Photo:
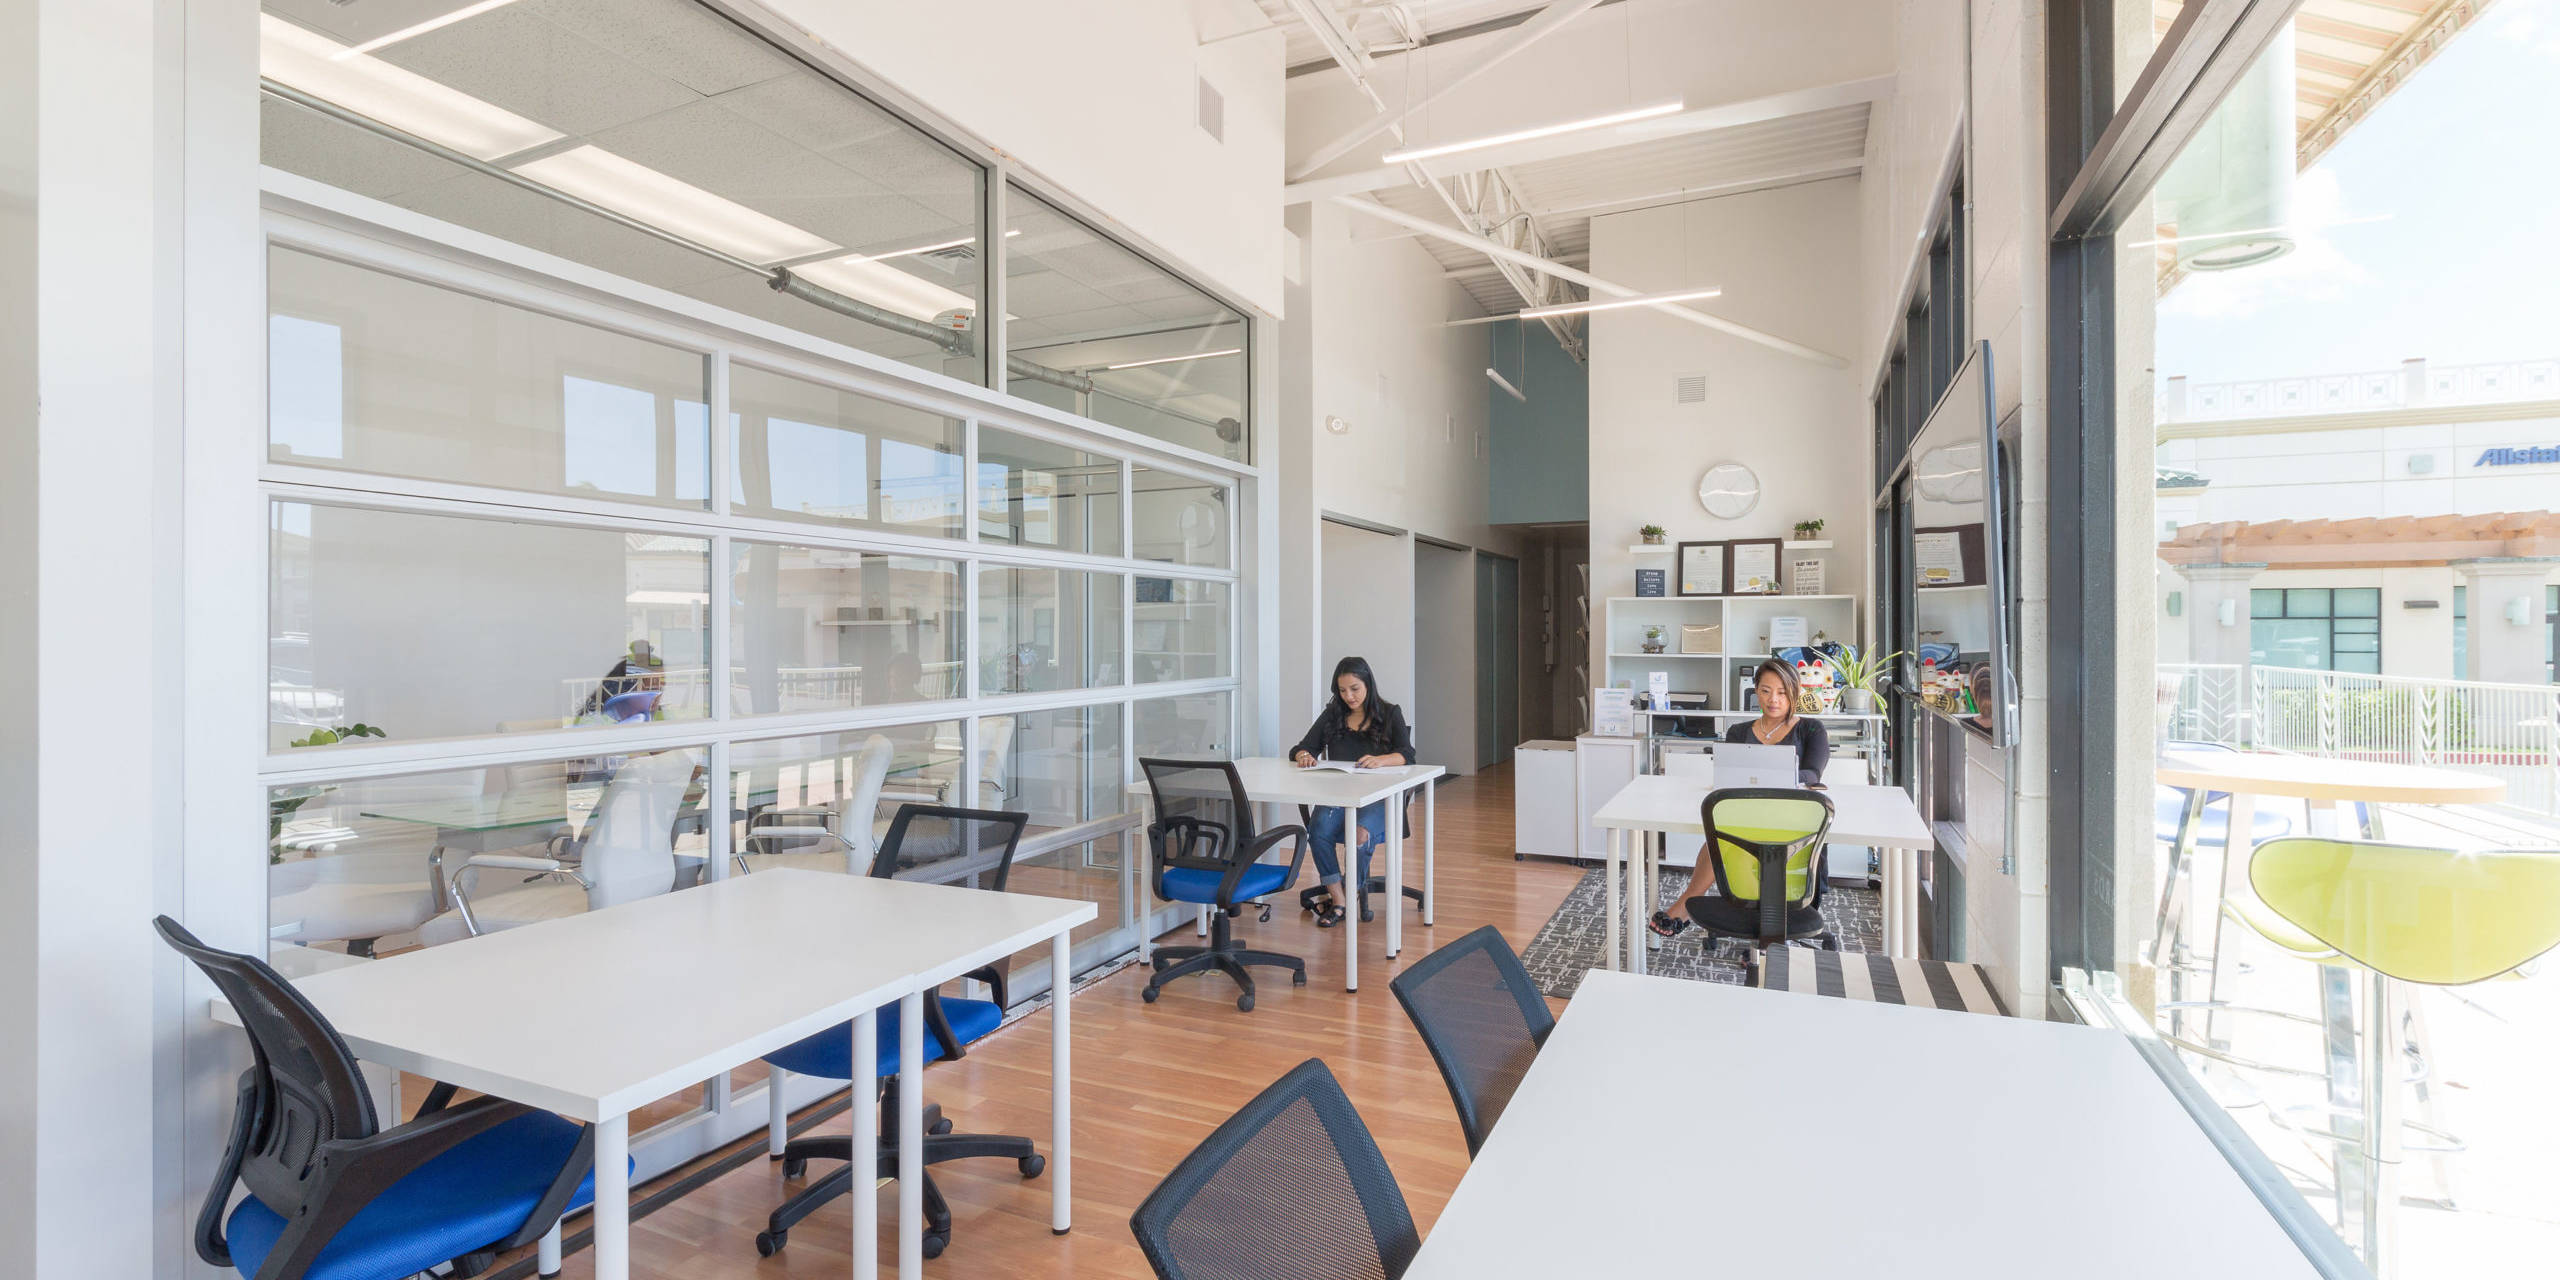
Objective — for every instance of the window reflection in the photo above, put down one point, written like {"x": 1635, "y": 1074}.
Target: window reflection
{"x": 1181, "y": 630}
{"x": 805, "y": 451}
{"x": 1046, "y": 629}
{"x": 431, "y": 626}
{"x": 824, "y": 801}
{"x": 824, "y": 629}
{"x": 1178, "y": 520}
{"x": 1036, "y": 494}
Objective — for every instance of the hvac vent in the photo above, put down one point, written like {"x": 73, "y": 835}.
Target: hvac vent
{"x": 1213, "y": 111}
{"x": 1692, "y": 389}
{"x": 953, "y": 256}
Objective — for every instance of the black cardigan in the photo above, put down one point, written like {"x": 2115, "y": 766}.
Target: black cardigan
{"x": 1811, "y": 741}
{"x": 1331, "y": 739}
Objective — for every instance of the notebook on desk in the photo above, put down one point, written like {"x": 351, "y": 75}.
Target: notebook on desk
{"x": 1750, "y": 764}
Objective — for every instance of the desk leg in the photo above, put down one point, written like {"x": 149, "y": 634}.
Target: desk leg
{"x": 613, "y": 1198}
{"x": 1348, "y": 894}
{"x": 1639, "y": 847}
{"x": 2232, "y": 870}
{"x": 1135, "y": 877}
{"x": 1061, "y": 1080}
{"x": 910, "y": 1137}
{"x": 865, "y": 1087}
{"x": 1393, "y": 898}
{"x": 1609, "y": 955}
{"x": 1897, "y": 881}
{"x": 1430, "y": 856}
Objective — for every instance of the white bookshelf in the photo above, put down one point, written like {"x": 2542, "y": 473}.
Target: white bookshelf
{"x": 1745, "y": 622}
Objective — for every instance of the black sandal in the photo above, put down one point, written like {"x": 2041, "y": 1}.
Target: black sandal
{"x": 1326, "y": 908}
{"x": 1667, "y": 925}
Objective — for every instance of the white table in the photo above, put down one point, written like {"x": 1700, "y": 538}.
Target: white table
{"x": 2011, "y": 1149}
{"x": 1270, "y": 780}
{"x": 672, "y": 990}
{"x": 1882, "y": 818}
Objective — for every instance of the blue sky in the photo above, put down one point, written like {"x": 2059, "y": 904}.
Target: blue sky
{"x": 2463, "y": 268}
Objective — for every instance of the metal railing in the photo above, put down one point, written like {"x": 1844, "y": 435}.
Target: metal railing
{"x": 2411, "y": 385}
{"x": 2507, "y": 731}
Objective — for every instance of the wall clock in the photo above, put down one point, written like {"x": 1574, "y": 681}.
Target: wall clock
{"x": 1728, "y": 491}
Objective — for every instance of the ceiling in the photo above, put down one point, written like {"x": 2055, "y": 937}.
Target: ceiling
{"x": 1387, "y": 27}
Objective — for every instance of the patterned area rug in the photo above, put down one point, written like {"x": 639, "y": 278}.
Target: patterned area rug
{"x": 1569, "y": 944}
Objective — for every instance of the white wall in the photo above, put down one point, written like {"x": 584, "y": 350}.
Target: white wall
{"x": 1098, "y": 97}
{"x": 1366, "y": 611}
{"x": 1445, "y": 657}
{"x": 1788, "y": 261}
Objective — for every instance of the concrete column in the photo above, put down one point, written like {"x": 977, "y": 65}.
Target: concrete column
{"x": 2218, "y": 612}
{"x": 2510, "y": 630}
{"x": 2413, "y": 382}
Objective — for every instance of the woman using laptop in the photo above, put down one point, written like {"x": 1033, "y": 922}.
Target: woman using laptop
{"x": 1775, "y": 686}
{"x": 1359, "y": 726}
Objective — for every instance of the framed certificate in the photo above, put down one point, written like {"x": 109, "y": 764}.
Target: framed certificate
{"x": 1754, "y": 568}
{"x": 1702, "y": 566}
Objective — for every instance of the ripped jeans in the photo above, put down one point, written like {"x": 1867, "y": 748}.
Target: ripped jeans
{"x": 1324, "y": 832}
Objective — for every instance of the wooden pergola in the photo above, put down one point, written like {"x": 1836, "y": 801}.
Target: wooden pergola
{"x": 2379, "y": 542}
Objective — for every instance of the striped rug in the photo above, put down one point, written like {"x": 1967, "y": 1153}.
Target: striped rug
{"x": 1884, "y": 979}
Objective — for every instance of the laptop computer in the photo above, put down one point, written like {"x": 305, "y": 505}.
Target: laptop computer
{"x": 1749, "y": 764}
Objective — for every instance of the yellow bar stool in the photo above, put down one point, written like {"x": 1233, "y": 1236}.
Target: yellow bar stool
{"x": 2407, "y": 914}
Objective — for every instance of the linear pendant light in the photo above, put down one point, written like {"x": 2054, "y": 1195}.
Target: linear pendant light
{"x": 1612, "y": 304}
{"x": 1188, "y": 355}
{"x": 1524, "y": 135}
{"x": 398, "y": 97}
{"x": 592, "y": 173}
{"x": 446, "y": 20}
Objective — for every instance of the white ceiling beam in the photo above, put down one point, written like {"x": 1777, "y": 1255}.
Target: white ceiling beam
{"x": 1494, "y": 249}
{"x": 1491, "y": 202}
{"x": 1777, "y": 106}
{"x": 1526, "y": 34}
{"x": 1335, "y": 35}
{"x": 1790, "y": 177}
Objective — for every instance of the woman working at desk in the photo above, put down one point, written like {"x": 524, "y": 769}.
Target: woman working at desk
{"x": 1359, "y": 726}
{"x": 1778, "y": 726}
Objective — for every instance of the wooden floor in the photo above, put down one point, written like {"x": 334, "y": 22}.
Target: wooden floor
{"x": 1151, "y": 1081}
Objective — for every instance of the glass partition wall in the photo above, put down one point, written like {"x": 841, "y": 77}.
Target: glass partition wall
{"x": 2324, "y": 378}
{"x": 623, "y": 520}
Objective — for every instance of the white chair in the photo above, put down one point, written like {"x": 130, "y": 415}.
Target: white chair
{"x": 627, "y": 852}
{"x": 349, "y": 897}
{"x": 995, "y": 751}
{"x": 843, "y": 836}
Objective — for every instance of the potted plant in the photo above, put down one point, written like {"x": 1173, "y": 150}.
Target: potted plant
{"x": 1808, "y": 530}
{"x": 1653, "y": 638}
{"x": 1652, "y": 535}
{"x": 1859, "y": 673}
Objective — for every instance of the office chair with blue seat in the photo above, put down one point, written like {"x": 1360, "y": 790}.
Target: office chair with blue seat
{"x": 1484, "y": 1020}
{"x": 934, "y": 844}
{"x": 1206, "y": 853}
{"x": 335, "y": 1196}
{"x": 1291, "y": 1187}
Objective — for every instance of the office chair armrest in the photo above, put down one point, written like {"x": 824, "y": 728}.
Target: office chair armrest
{"x": 1252, "y": 853}
{"x": 210, "y": 1245}
{"x": 910, "y": 797}
{"x": 994, "y": 976}
{"x": 513, "y": 862}
{"x": 354, "y": 1171}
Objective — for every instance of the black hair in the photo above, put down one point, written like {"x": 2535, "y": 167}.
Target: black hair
{"x": 1379, "y": 708}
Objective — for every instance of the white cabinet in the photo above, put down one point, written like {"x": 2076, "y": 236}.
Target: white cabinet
{"x": 1542, "y": 810}
{"x": 1602, "y": 767}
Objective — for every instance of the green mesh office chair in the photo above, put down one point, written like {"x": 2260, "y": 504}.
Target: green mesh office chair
{"x": 1765, "y": 846}
{"x": 2406, "y": 914}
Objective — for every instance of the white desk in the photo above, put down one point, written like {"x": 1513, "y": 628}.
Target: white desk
{"x": 2011, "y": 1149}
{"x": 1883, "y": 818}
{"x": 1270, "y": 780}
{"x": 669, "y": 991}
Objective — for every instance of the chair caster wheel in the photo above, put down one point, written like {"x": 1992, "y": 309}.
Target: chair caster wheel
{"x": 769, "y": 1243}
{"x": 1244, "y": 1004}
{"x": 1519, "y": 857}
{"x": 940, "y": 1127}
{"x": 1149, "y": 995}
{"x": 935, "y": 1243}
{"x": 1032, "y": 1165}
{"x": 794, "y": 1166}
{"x": 1366, "y": 915}
{"x": 1298, "y": 978}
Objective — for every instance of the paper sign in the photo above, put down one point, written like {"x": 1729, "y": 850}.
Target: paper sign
{"x": 1658, "y": 684}
{"x": 1613, "y": 713}
{"x": 1804, "y": 578}
{"x": 1939, "y": 558}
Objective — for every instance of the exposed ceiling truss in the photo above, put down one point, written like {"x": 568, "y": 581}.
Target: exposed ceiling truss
{"x": 1488, "y": 204}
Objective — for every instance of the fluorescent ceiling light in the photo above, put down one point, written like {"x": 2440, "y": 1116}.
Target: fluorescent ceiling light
{"x": 402, "y": 99}
{"x": 1612, "y": 304}
{"x": 594, "y": 174}
{"x": 936, "y": 247}
{"x": 1505, "y": 384}
{"x": 1544, "y": 131}
{"x": 1195, "y": 355}
{"x": 466, "y": 11}
{"x": 885, "y": 286}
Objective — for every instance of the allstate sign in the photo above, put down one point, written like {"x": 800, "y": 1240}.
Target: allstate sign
{"x": 2526, "y": 456}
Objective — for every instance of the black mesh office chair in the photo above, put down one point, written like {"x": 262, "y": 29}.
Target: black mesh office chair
{"x": 1205, "y": 852}
{"x": 331, "y": 1192}
{"x": 938, "y": 845}
{"x": 1292, "y": 1187}
{"x": 1757, "y": 838}
{"x": 1483, "y": 1020}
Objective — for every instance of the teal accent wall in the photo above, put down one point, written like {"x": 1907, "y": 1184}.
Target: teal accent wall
{"x": 1541, "y": 450}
